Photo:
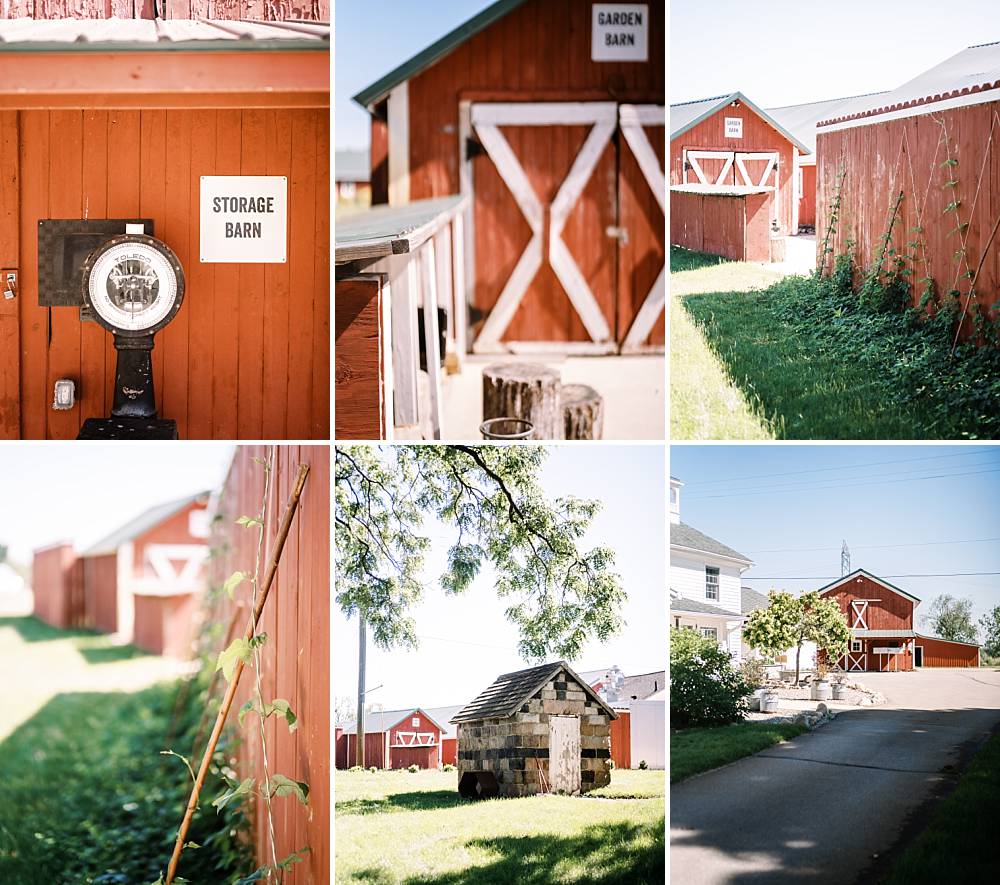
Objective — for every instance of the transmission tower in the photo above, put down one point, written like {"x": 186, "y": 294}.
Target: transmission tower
{"x": 845, "y": 560}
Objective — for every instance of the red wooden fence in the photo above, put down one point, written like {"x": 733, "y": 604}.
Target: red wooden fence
{"x": 296, "y": 657}
{"x": 57, "y": 585}
{"x": 621, "y": 740}
{"x": 732, "y": 225}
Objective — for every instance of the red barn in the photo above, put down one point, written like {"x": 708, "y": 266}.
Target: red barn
{"x": 558, "y": 144}
{"x": 393, "y": 739}
{"x": 925, "y": 156}
{"x": 880, "y": 616}
{"x": 728, "y": 143}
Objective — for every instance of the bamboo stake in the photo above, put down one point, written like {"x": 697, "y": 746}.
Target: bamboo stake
{"x": 227, "y": 700}
{"x": 972, "y": 286}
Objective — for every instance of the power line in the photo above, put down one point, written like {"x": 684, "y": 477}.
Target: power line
{"x": 833, "y": 578}
{"x": 876, "y": 546}
{"x": 982, "y": 451}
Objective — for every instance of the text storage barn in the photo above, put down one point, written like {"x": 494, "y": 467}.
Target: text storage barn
{"x": 137, "y": 123}
{"x": 549, "y": 117}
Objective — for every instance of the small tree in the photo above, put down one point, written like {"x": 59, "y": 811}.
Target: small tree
{"x": 705, "y": 688}
{"x": 990, "y": 622}
{"x": 951, "y": 618}
{"x": 789, "y": 621}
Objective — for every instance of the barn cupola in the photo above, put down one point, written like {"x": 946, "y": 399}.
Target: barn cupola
{"x": 675, "y": 499}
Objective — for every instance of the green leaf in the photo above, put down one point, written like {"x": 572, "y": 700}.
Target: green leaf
{"x": 258, "y": 640}
{"x": 248, "y": 707}
{"x": 255, "y": 876}
{"x": 248, "y": 522}
{"x": 242, "y": 789}
{"x": 193, "y": 845}
{"x": 951, "y": 161}
{"x": 234, "y": 581}
{"x": 293, "y": 858}
{"x": 283, "y": 708}
{"x": 183, "y": 759}
{"x": 239, "y": 650}
{"x": 285, "y": 786}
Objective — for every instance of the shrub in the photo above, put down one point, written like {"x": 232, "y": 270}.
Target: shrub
{"x": 357, "y": 768}
{"x": 448, "y": 767}
{"x": 413, "y": 769}
{"x": 705, "y": 688}
{"x": 373, "y": 769}
{"x": 753, "y": 671}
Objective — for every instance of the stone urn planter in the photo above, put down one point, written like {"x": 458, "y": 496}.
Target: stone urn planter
{"x": 821, "y": 690}
{"x": 754, "y": 699}
{"x": 768, "y": 701}
{"x": 839, "y": 691}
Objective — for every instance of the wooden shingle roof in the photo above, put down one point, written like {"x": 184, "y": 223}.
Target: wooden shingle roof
{"x": 506, "y": 695}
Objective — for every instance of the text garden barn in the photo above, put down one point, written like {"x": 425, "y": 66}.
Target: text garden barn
{"x": 559, "y": 153}
{"x": 142, "y": 582}
{"x": 123, "y": 123}
{"x": 917, "y": 170}
{"x": 881, "y": 619}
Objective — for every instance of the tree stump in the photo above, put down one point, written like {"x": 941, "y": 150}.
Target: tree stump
{"x": 583, "y": 412}
{"x": 524, "y": 390}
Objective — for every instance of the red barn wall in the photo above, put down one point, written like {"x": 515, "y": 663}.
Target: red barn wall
{"x": 941, "y": 653}
{"x": 100, "y": 582}
{"x": 248, "y": 355}
{"x": 174, "y": 529}
{"x": 736, "y": 227}
{"x": 876, "y": 168}
{"x": 54, "y": 587}
{"x": 374, "y": 750}
{"x": 402, "y": 756}
{"x": 296, "y": 657}
{"x": 892, "y": 612}
{"x": 807, "y": 201}
{"x": 268, "y": 10}
{"x": 163, "y": 624}
{"x": 621, "y": 739}
{"x": 758, "y": 135}
{"x": 449, "y": 751}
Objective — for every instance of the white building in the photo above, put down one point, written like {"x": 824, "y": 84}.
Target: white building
{"x": 705, "y": 581}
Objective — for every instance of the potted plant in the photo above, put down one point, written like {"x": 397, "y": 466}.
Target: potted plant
{"x": 840, "y": 689}
{"x": 821, "y": 685}
{"x": 753, "y": 672}
{"x": 769, "y": 701}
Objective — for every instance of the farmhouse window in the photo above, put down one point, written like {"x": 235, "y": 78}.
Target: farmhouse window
{"x": 711, "y": 582}
{"x": 855, "y": 645}
{"x": 710, "y": 633}
{"x": 415, "y": 721}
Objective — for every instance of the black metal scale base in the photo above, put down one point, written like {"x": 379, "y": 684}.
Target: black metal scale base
{"x": 128, "y": 428}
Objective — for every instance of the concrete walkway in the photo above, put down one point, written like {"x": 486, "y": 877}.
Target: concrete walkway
{"x": 821, "y": 807}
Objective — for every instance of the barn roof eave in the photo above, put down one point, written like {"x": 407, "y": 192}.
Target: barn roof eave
{"x": 760, "y": 112}
{"x": 378, "y": 90}
{"x": 956, "y": 641}
{"x": 876, "y": 578}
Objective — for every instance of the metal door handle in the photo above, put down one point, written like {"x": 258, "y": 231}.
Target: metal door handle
{"x": 10, "y": 286}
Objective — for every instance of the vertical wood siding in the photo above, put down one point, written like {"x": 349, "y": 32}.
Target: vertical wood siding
{"x": 296, "y": 657}
{"x": 10, "y": 353}
{"x": 941, "y": 653}
{"x": 907, "y": 155}
{"x": 709, "y": 135}
{"x": 100, "y": 589}
{"x": 248, "y": 354}
{"x": 163, "y": 624}
{"x": 892, "y": 612}
{"x": 54, "y": 586}
{"x": 267, "y": 10}
{"x": 358, "y": 359}
{"x": 807, "y": 205}
{"x": 732, "y": 226}
{"x": 621, "y": 740}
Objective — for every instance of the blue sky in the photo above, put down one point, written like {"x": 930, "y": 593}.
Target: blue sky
{"x": 373, "y": 37}
{"x": 82, "y": 492}
{"x": 899, "y": 507}
{"x": 783, "y": 52}
{"x": 466, "y": 641}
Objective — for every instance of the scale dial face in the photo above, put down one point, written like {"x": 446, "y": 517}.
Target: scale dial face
{"x": 134, "y": 284}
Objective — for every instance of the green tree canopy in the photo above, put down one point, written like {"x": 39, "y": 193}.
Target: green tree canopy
{"x": 990, "y": 622}
{"x": 559, "y": 595}
{"x": 951, "y": 618}
{"x": 788, "y": 621}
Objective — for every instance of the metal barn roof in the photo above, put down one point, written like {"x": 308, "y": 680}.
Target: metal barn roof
{"x": 940, "y": 639}
{"x": 378, "y": 90}
{"x": 860, "y": 571}
{"x": 505, "y": 696}
{"x": 353, "y": 166}
{"x": 683, "y": 535}
{"x": 970, "y": 76}
{"x": 378, "y": 720}
{"x": 141, "y": 524}
{"x": 688, "y": 114}
{"x": 801, "y": 119}
{"x": 156, "y": 35}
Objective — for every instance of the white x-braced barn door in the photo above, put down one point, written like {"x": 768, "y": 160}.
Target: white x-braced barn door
{"x": 742, "y": 168}
{"x": 557, "y": 289}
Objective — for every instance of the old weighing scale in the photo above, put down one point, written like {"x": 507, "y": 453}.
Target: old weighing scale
{"x": 119, "y": 275}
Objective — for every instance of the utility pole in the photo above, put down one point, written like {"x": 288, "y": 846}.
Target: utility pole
{"x": 360, "y": 747}
{"x": 845, "y": 560}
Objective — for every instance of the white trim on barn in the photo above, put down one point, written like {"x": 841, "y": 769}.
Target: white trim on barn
{"x": 947, "y": 104}
{"x": 486, "y": 120}
{"x": 399, "y": 145}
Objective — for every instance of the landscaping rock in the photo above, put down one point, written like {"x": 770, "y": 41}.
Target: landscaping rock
{"x": 822, "y": 709}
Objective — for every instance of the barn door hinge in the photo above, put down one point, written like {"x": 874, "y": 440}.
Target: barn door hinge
{"x": 9, "y": 282}
{"x": 617, "y": 233}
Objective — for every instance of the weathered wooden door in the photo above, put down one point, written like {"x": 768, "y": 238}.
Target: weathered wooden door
{"x": 545, "y": 219}
{"x": 564, "y": 754}
{"x": 10, "y": 294}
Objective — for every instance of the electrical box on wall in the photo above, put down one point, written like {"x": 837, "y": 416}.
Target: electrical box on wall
{"x": 63, "y": 246}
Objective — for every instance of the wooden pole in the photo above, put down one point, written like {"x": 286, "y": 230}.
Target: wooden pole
{"x": 227, "y": 700}
{"x": 359, "y": 730}
{"x": 214, "y": 682}
{"x": 972, "y": 286}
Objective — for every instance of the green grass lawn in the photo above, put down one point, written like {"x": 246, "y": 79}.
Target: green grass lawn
{"x": 705, "y": 403}
{"x": 959, "y": 844}
{"x": 693, "y": 750}
{"x": 398, "y": 827}
{"x": 85, "y": 796}
{"x": 797, "y": 359}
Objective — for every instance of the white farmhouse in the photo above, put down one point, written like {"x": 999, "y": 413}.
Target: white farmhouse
{"x": 705, "y": 581}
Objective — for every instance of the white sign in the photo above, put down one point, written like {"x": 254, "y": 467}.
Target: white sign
{"x": 888, "y": 651}
{"x": 244, "y": 219}
{"x": 620, "y": 32}
{"x": 734, "y": 127}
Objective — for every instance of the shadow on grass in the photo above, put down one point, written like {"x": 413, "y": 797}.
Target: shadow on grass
{"x": 682, "y": 259}
{"x": 110, "y": 654}
{"x": 607, "y": 853}
{"x": 94, "y": 648}
{"x": 30, "y": 629}
{"x": 422, "y": 800}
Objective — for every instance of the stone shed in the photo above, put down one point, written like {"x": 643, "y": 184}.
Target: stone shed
{"x": 540, "y": 730}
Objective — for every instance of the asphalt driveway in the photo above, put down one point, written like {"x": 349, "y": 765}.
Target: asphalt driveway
{"x": 819, "y": 808}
